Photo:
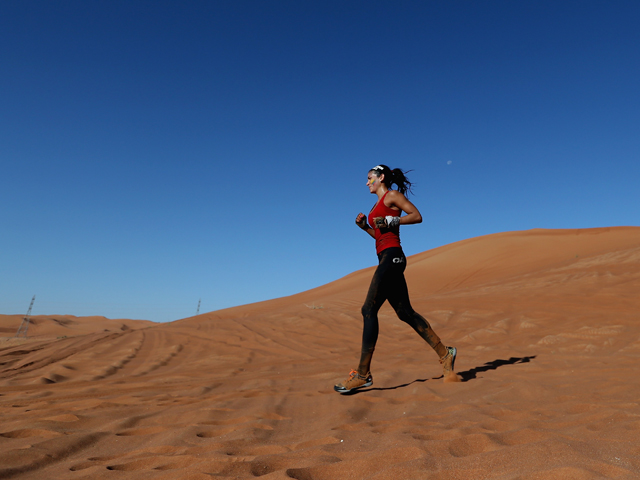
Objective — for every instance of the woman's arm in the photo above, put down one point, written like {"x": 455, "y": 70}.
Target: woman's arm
{"x": 398, "y": 200}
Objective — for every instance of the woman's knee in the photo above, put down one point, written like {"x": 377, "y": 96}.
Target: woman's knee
{"x": 408, "y": 315}
{"x": 368, "y": 310}
{"x": 404, "y": 311}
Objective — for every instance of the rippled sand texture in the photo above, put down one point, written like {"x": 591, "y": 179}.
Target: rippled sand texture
{"x": 547, "y": 324}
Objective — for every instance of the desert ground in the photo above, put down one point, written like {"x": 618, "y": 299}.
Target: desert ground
{"x": 547, "y": 326}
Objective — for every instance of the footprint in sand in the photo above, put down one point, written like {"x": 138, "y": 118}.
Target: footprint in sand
{"x": 471, "y": 445}
{"x": 153, "y": 451}
{"x": 52, "y": 377}
{"x": 215, "y": 433}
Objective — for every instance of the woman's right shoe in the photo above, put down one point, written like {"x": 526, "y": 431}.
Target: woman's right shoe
{"x": 354, "y": 382}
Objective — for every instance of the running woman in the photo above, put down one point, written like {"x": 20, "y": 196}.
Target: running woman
{"x": 388, "y": 281}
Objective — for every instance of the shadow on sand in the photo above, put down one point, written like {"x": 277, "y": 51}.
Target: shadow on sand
{"x": 494, "y": 365}
{"x": 464, "y": 376}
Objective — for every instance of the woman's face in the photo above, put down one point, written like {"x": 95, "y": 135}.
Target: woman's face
{"x": 373, "y": 182}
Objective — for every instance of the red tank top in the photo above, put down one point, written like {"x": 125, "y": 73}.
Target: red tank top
{"x": 387, "y": 237}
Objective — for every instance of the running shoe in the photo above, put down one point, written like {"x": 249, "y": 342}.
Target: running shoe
{"x": 354, "y": 382}
{"x": 448, "y": 360}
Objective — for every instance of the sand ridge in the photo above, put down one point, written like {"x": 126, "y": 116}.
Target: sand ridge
{"x": 547, "y": 330}
{"x": 53, "y": 326}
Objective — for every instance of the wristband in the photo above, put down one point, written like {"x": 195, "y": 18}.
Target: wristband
{"x": 392, "y": 221}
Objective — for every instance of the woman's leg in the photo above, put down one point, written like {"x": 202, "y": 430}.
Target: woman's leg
{"x": 398, "y": 296}
{"x": 375, "y": 298}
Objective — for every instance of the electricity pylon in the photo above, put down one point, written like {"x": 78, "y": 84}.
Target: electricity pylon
{"x": 24, "y": 326}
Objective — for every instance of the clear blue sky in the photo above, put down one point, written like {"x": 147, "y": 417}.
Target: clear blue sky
{"x": 156, "y": 153}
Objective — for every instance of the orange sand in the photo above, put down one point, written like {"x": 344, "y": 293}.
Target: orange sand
{"x": 548, "y": 332}
{"x": 43, "y": 327}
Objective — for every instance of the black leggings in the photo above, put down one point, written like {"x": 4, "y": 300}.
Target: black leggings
{"x": 388, "y": 283}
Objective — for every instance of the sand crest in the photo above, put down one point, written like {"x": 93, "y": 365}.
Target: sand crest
{"x": 546, "y": 326}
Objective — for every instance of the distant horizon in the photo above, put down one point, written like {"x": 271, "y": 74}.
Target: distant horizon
{"x": 301, "y": 292}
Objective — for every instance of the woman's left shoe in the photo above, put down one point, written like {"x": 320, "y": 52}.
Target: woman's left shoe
{"x": 354, "y": 382}
{"x": 449, "y": 360}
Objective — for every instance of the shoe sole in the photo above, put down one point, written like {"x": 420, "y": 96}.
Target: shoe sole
{"x": 344, "y": 390}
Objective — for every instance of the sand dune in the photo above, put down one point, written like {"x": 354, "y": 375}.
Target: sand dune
{"x": 548, "y": 332}
{"x": 53, "y": 326}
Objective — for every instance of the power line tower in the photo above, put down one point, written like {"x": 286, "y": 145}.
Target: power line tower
{"x": 24, "y": 326}
{"x": 198, "y": 310}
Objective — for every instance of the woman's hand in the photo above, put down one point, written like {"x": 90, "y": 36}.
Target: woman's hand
{"x": 380, "y": 222}
{"x": 361, "y": 221}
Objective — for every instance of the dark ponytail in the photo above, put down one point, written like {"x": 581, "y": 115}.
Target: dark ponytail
{"x": 395, "y": 176}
